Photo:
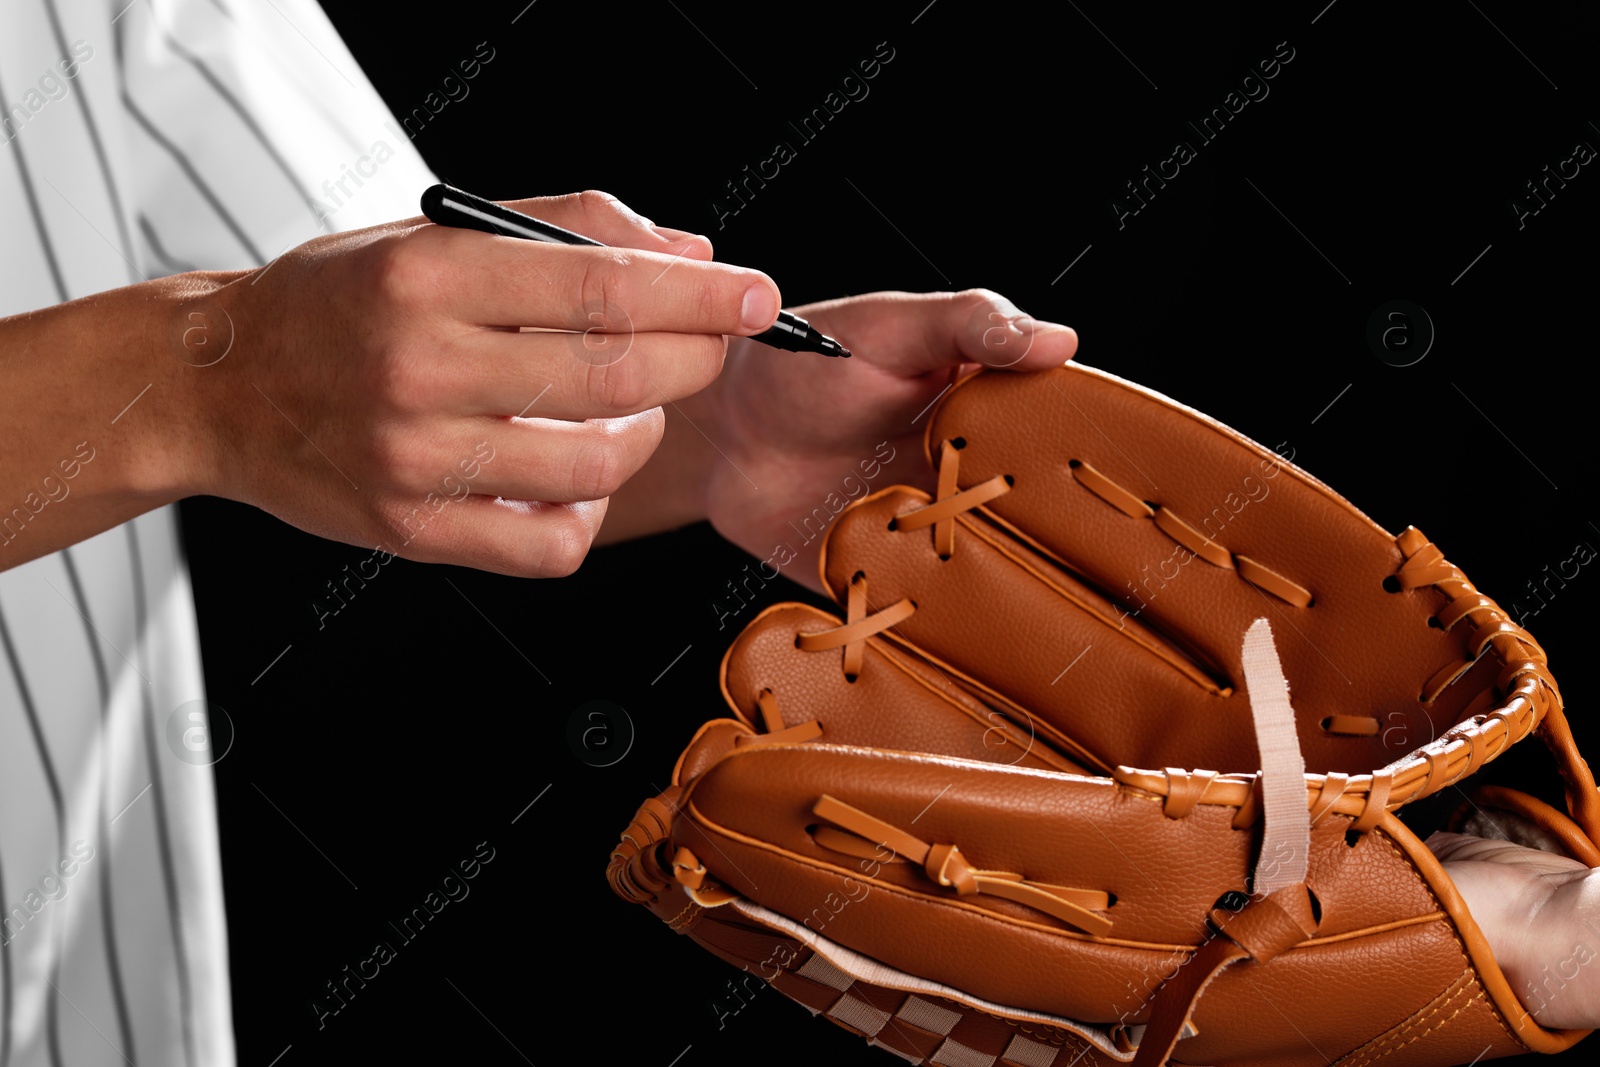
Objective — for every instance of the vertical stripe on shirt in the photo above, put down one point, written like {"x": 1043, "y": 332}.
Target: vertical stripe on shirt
{"x": 201, "y": 130}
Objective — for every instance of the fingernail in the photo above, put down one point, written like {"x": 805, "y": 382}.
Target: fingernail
{"x": 667, "y": 233}
{"x": 760, "y": 307}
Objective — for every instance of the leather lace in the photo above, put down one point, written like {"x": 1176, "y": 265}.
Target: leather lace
{"x": 1521, "y": 698}
{"x": 775, "y": 731}
{"x": 1490, "y": 626}
{"x": 949, "y": 501}
{"x": 859, "y": 626}
{"x": 1256, "y": 573}
{"x": 855, "y": 833}
{"x": 1525, "y": 679}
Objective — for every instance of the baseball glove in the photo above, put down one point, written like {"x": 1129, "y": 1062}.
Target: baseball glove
{"x": 967, "y": 820}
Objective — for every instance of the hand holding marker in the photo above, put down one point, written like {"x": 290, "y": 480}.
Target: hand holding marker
{"x": 448, "y": 206}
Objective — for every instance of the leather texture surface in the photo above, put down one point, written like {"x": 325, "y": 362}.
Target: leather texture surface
{"x": 1007, "y": 809}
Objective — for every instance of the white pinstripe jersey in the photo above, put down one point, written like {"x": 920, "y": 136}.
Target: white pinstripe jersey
{"x": 140, "y": 139}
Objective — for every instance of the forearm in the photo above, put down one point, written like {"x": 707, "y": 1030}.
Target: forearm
{"x": 98, "y": 421}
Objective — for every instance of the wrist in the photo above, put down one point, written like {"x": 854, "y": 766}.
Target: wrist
{"x": 194, "y": 359}
{"x": 166, "y": 349}
{"x": 102, "y": 423}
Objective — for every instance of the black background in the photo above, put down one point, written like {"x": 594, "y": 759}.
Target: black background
{"x": 427, "y": 715}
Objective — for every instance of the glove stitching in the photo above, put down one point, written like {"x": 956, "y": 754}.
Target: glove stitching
{"x": 678, "y": 921}
{"x": 1455, "y": 935}
{"x": 1456, "y": 990}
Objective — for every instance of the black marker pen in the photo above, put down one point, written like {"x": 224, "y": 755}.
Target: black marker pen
{"x": 448, "y": 206}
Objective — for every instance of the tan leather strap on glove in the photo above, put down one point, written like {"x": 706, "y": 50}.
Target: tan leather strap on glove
{"x": 1261, "y": 930}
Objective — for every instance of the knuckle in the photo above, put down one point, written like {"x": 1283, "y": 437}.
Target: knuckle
{"x": 618, "y": 388}
{"x": 407, "y": 459}
{"x": 404, "y": 522}
{"x": 978, "y": 297}
{"x": 595, "y": 202}
{"x": 562, "y": 548}
{"x": 601, "y": 465}
{"x": 601, "y": 286}
{"x": 400, "y": 461}
{"x": 398, "y": 380}
{"x": 388, "y": 451}
{"x": 705, "y": 356}
{"x": 712, "y": 305}
{"x": 595, "y": 285}
{"x": 401, "y": 273}
{"x": 648, "y": 428}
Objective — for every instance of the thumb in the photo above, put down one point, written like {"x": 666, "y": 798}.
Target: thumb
{"x": 999, "y": 335}
{"x": 912, "y": 334}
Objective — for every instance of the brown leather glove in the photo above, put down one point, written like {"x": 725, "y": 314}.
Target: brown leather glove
{"x": 962, "y": 820}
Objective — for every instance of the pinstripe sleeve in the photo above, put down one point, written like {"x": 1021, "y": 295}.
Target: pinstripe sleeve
{"x": 141, "y": 139}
